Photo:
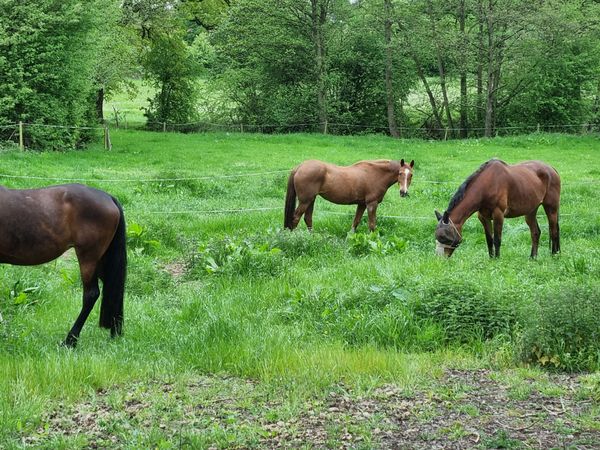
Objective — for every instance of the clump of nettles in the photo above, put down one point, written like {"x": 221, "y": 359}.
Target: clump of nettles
{"x": 561, "y": 329}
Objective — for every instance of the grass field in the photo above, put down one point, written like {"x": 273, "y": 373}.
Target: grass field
{"x": 239, "y": 334}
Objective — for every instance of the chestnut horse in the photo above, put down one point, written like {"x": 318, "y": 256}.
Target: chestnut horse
{"x": 39, "y": 225}
{"x": 363, "y": 183}
{"x": 498, "y": 190}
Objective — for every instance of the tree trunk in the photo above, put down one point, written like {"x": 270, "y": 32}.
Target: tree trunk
{"x": 434, "y": 107}
{"x": 480, "y": 56}
{"x": 389, "y": 90}
{"x": 491, "y": 74}
{"x": 318, "y": 18}
{"x": 100, "y": 105}
{"x": 463, "y": 73}
{"x": 441, "y": 68}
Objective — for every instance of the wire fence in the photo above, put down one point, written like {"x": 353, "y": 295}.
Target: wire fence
{"x": 242, "y": 128}
{"x": 18, "y": 132}
{"x": 336, "y": 128}
{"x": 416, "y": 181}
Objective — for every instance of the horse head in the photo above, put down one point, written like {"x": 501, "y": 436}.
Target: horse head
{"x": 405, "y": 176}
{"x": 447, "y": 235}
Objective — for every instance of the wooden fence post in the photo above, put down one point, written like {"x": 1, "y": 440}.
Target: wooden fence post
{"x": 164, "y": 126}
{"x": 107, "y": 143}
{"x": 21, "y": 145}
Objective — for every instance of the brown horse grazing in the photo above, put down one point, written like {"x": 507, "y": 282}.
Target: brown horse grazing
{"x": 364, "y": 184}
{"x": 497, "y": 190}
{"x": 39, "y": 225}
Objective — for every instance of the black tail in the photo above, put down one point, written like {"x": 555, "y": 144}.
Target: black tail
{"x": 114, "y": 274}
{"x": 290, "y": 202}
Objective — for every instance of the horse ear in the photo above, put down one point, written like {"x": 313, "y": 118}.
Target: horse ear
{"x": 438, "y": 215}
{"x": 445, "y": 217}
{"x": 412, "y": 164}
{"x": 401, "y": 162}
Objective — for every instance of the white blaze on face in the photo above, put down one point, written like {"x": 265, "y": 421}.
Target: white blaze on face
{"x": 404, "y": 187}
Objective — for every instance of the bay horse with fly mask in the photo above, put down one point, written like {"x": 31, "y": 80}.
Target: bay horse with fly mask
{"x": 497, "y": 191}
{"x": 39, "y": 225}
{"x": 363, "y": 183}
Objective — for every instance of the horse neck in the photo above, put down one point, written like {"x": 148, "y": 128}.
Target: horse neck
{"x": 466, "y": 207}
{"x": 392, "y": 170}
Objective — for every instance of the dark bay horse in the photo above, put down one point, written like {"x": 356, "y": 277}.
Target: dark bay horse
{"x": 498, "y": 190}
{"x": 39, "y": 225}
{"x": 364, "y": 184}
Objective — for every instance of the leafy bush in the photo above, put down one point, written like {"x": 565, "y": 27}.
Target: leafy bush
{"x": 561, "y": 329}
{"x": 137, "y": 239}
{"x": 371, "y": 243}
{"x": 380, "y": 315}
{"x": 233, "y": 257}
{"x": 303, "y": 243}
{"x": 466, "y": 312}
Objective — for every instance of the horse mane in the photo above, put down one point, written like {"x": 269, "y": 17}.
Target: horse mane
{"x": 460, "y": 193}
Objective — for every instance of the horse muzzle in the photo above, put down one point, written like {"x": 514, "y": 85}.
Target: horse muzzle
{"x": 443, "y": 249}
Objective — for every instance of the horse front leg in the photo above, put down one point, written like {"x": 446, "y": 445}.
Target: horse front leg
{"x": 498, "y": 218}
{"x": 372, "y": 213}
{"x": 91, "y": 292}
{"x": 487, "y": 229}
{"x": 360, "y": 210}
{"x": 534, "y": 228}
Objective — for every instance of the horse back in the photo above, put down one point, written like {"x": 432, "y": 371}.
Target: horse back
{"x": 530, "y": 184}
{"x": 342, "y": 184}
{"x": 41, "y": 224}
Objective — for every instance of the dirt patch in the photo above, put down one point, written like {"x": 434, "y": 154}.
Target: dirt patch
{"x": 176, "y": 269}
{"x": 465, "y": 409}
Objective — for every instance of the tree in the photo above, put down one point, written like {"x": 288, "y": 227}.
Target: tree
{"x": 116, "y": 61}
{"x": 46, "y": 68}
{"x": 169, "y": 65}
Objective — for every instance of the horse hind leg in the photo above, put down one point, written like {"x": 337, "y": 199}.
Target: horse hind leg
{"x": 552, "y": 214}
{"x": 372, "y": 213}
{"x": 91, "y": 292}
{"x": 300, "y": 210}
{"x": 308, "y": 215}
{"x": 534, "y": 227}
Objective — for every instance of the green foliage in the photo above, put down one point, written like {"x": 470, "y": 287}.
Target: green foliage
{"x": 361, "y": 244}
{"x": 171, "y": 68}
{"x": 378, "y": 314}
{"x": 466, "y": 311}
{"x": 137, "y": 239}
{"x": 46, "y": 69}
{"x": 237, "y": 258}
{"x": 561, "y": 329}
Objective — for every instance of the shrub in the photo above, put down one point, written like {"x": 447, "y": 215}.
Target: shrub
{"x": 361, "y": 244}
{"x": 466, "y": 312}
{"x": 561, "y": 329}
{"x": 234, "y": 257}
{"x": 380, "y": 315}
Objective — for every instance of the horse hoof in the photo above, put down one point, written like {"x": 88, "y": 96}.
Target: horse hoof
{"x": 69, "y": 342}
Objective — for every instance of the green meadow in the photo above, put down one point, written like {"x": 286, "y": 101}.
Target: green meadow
{"x": 218, "y": 293}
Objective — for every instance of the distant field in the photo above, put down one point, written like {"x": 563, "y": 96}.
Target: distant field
{"x": 236, "y": 331}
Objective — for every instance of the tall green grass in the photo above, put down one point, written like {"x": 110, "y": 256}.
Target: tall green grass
{"x": 231, "y": 293}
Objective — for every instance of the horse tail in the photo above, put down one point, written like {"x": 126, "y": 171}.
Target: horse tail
{"x": 114, "y": 274}
{"x": 290, "y": 202}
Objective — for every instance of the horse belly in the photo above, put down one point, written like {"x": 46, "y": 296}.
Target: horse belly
{"x": 29, "y": 251}
{"x": 340, "y": 189}
{"x": 523, "y": 204}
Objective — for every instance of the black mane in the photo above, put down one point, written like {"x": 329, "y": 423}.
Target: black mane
{"x": 460, "y": 193}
